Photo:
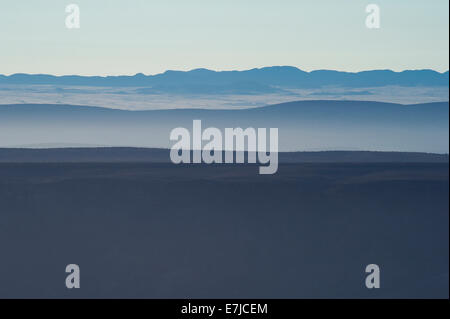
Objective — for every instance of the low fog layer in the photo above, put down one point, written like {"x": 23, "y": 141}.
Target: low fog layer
{"x": 303, "y": 126}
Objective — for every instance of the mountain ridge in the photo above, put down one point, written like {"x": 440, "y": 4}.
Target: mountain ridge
{"x": 257, "y": 80}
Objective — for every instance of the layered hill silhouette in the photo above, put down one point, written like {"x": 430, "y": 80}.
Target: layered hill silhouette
{"x": 304, "y": 125}
{"x": 263, "y": 80}
{"x": 155, "y": 155}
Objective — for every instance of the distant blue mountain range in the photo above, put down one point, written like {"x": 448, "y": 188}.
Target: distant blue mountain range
{"x": 263, "y": 80}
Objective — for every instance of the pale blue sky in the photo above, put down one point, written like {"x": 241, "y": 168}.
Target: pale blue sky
{"x": 151, "y": 36}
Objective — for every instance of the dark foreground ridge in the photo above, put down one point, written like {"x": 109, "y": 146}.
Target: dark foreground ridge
{"x": 158, "y": 155}
{"x": 149, "y": 230}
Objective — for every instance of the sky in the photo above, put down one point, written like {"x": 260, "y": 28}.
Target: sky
{"x": 151, "y": 36}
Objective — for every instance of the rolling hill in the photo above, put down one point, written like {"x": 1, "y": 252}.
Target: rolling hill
{"x": 303, "y": 126}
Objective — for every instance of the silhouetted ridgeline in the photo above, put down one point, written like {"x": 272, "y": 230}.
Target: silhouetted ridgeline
{"x": 268, "y": 80}
{"x": 154, "y": 155}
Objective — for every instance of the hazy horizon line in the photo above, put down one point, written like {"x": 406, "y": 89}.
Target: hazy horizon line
{"x": 84, "y": 146}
